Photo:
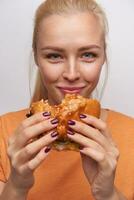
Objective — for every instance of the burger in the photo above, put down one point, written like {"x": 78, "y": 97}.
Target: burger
{"x": 70, "y": 108}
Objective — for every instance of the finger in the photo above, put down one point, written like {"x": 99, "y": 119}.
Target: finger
{"x": 35, "y": 162}
{"x": 93, "y": 153}
{"x": 98, "y": 124}
{"x": 33, "y": 148}
{"x": 90, "y": 132}
{"x": 95, "y": 123}
{"x": 84, "y": 141}
{"x": 36, "y": 118}
{"x": 34, "y": 131}
{"x": 105, "y": 162}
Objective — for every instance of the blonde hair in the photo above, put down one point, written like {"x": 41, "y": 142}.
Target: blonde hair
{"x": 50, "y": 7}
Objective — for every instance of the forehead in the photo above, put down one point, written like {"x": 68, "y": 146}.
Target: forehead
{"x": 76, "y": 28}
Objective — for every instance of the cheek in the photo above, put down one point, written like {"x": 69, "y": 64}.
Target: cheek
{"x": 50, "y": 73}
{"x": 91, "y": 72}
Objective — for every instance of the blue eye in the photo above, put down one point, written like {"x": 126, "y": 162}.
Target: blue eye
{"x": 89, "y": 55}
{"x": 53, "y": 56}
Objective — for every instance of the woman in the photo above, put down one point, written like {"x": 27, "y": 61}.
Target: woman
{"x": 69, "y": 45}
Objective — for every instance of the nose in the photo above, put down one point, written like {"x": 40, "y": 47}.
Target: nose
{"x": 71, "y": 71}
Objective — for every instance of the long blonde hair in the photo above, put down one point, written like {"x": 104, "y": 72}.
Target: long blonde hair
{"x": 50, "y": 7}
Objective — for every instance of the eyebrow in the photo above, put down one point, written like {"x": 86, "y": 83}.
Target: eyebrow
{"x": 62, "y": 50}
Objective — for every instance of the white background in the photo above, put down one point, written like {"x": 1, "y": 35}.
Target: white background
{"x": 16, "y": 23}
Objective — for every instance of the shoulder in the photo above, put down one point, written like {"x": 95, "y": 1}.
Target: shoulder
{"x": 119, "y": 119}
{"x": 16, "y": 114}
{"x": 10, "y": 121}
{"x": 8, "y": 124}
{"x": 122, "y": 128}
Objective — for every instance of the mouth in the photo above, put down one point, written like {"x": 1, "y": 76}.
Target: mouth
{"x": 70, "y": 90}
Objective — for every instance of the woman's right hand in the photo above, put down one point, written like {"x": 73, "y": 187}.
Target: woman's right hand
{"x": 26, "y": 156}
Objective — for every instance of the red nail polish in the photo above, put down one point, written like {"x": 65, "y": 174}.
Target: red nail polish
{"x": 47, "y": 149}
{"x": 81, "y": 147}
{"x": 70, "y": 132}
{"x": 46, "y": 114}
{"x": 71, "y": 122}
{"x": 54, "y": 121}
{"x": 54, "y": 134}
{"x": 82, "y": 116}
{"x": 28, "y": 115}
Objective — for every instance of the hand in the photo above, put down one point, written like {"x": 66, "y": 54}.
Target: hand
{"x": 99, "y": 154}
{"x": 26, "y": 153}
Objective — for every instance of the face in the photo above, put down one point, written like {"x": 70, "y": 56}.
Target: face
{"x": 70, "y": 54}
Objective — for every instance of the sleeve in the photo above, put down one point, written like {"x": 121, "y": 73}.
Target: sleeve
{"x": 3, "y": 155}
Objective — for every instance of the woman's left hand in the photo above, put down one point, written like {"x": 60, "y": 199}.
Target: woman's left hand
{"x": 99, "y": 154}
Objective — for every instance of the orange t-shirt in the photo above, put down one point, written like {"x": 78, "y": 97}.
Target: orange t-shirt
{"x": 60, "y": 176}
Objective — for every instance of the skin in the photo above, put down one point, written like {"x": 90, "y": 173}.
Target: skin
{"x": 73, "y": 67}
{"x": 69, "y": 67}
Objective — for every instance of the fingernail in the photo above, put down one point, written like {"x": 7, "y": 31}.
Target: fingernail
{"x": 28, "y": 115}
{"x": 54, "y": 134}
{"x": 47, "y": 149}
{"x": 70, "y": 129}
{"x": 54, "y": 121}
{"x": 45, "y": 114}
{"x": 70, "y": 132}
{"x": 81, "y": 148}
{"x": 71, "y": 122}
{"x": 82, "y": 116}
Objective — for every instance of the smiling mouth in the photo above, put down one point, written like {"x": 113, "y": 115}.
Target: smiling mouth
{"x": 70, "y": 90}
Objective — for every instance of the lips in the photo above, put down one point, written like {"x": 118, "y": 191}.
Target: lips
{"x": 70, "y": 90}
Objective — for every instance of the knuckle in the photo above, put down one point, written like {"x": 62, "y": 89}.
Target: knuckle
{"x": 37, "y": 117}
{"x": 14, "y": 162}
{"x": 10, "y": 141}
{"x": 19, "y": 170}
{"x": 103, "y": 126}
{"x": 30, "y": 166}
{"x": 23, "y": 124}
{"x": 102, "y": 158}
{"x": 112, "y": 167}
{"x": 117, "y": 153}
{"x": 114, "y": 164}
{"x": 9, "y": 152}
{"x": 28, "y": 151}
{"x": 25, "y": 134}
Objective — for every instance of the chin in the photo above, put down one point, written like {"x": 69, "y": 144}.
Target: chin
{"x": 55, "y": 98}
